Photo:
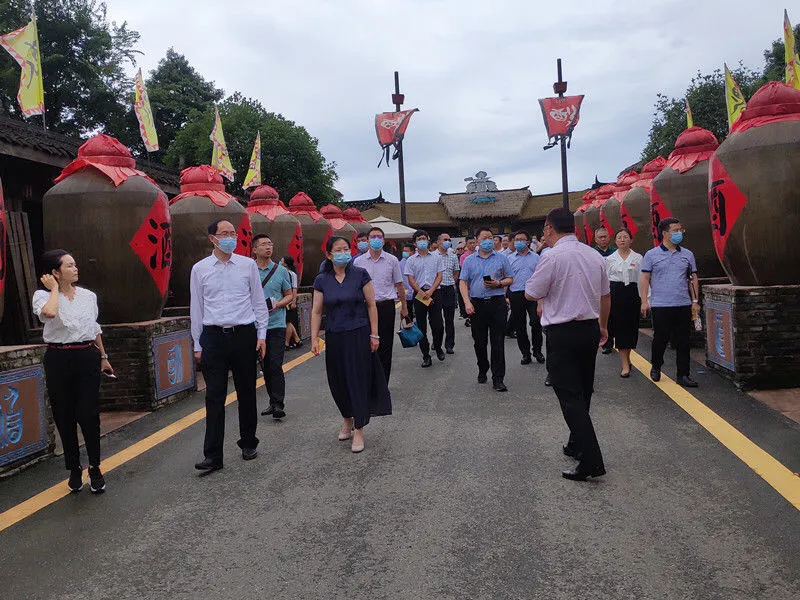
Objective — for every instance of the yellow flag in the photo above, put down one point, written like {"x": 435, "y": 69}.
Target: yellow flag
{"x": 689, "y": 119}
{"x": 141, "y": 106}
{"x": 734, "y": 99}
{"x": 253, "y": 177}
{"x": 220, "y": 159}
{"x": 23, "y": 45}
{"x": 790, "y": 54}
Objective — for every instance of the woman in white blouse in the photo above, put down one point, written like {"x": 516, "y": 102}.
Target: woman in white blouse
{"x": 72, "y": 363}
{"x": 623, "y": 323}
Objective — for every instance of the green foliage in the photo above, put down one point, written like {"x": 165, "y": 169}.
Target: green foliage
{"x": 84, "y": 60}
{"x": 775, "y": 59}
{"x": 290, "y": 157}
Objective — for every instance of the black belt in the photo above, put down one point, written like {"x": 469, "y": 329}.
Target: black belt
{"x": 573, "y": 323}
{"x": 379, "y": 302}
{"x": 71, "y": 345}
{"x": 229, "y": 329}
{"x": 489, "y": 299}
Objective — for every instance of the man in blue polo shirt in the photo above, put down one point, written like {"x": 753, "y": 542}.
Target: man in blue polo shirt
{"x": 670, "y": 272}
{"x": 523, "y": 263}
{"x": 483, "y": 279}
{"x": 277, "y": 284}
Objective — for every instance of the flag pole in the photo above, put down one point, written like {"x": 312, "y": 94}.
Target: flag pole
{"x": 559, "y": 87}
{"x": 398, "y": 98}
{"x": 36, "y": 25}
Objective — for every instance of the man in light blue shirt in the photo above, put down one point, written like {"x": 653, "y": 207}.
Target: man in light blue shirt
{"x": 523, "y": 263}
{"x": 484, "y": 277}
{"x": 451, "y": 267}
{"x": 277, "y": 285}
{"x": 424, "y": 272}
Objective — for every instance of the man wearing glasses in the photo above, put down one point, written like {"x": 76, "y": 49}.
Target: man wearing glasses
{"x": 229, "y": 323}
{"x": 450, "y": 268}
{"x": 387, "y": 279}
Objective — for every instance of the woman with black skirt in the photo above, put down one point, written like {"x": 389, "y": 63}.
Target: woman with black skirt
{"x": 623, "y": 323}
{"x": 355, "y": 375}
{"x": 72, "y": 363}
{"x": 292, "y": 319}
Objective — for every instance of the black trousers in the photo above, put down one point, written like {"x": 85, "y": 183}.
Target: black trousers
{"x": 449, "y": 304}
{"x": 462, "y": 309}
{"x": 489, "y": 326}
{"x": 225, "y": 351}
{"x": 523, "y": 310}
{"x": 410, "y": 307}
{"x": 73, "y": 385}
{"x": 571, "y": 355}
{"x": 671, "y": 322}
{"x": 386, "y": 317}
{"x": 272, "y": 366}
{"x": 433, "y": 314}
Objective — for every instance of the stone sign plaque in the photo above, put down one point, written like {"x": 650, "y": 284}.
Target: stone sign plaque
{"x": 719, "y": 338}
{"x": 173, "y": 359}
{"x": 23, "y": 420}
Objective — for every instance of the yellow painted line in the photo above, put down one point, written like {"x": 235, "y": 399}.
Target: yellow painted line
{"x": 43, "y": 499}
{"x": 785, "y": 482}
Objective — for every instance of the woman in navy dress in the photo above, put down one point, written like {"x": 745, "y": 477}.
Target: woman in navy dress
{"x": 355, "y": 375}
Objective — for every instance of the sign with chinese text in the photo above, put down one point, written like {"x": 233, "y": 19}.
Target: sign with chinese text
{"x": 23, "y": 419}
{"x": 719, "y": 335}
{"x": 173, "y": 360}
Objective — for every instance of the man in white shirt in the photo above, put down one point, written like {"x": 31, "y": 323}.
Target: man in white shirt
{"x": 229, "y": 322}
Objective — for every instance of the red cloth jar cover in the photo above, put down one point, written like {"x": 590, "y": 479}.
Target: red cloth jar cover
{"x": 204, "y": 181}
{"x": 107, "y": 155}
{"x": 693, "y": 146}
{"x": 302, "y": 204}
{"x": 265, "y": 201}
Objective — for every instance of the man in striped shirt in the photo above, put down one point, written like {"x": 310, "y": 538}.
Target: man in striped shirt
{"x": 448, "y": 261}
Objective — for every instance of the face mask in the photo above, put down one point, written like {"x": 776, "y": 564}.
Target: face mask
{"x": 447, "y": 245}
{"x": 422, "y": 244}
{"x": 406, "y": 254}
{"x": 519, "y": 245}
{"x": 376, "y": 244}
{"x": 676, "y": 238}
{"x": 340, "y": 259}
{"x": 362, "y": 246}
{"x": 227, "y": 245}
{"x": 487, "y": 245}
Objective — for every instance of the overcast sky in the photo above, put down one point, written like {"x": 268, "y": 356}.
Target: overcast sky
{"x": 474, "y": 69}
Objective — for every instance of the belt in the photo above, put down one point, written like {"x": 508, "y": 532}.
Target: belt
{"x": 489, "y": 299}
{"x": 71, "y": 345}
{"x": 230, "y": 328}
{"x": 385, "y": 302}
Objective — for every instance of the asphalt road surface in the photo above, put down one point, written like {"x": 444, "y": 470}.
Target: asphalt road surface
{"x": 457, "y": 495}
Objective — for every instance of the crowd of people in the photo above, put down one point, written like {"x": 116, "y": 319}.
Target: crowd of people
{"x": 572, "y": 297}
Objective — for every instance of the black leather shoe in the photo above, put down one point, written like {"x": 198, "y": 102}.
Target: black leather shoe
{"x": 655, "y": 374}
{"x": 539, "y": 357}
{"x": 449, "y": 351}
{"x": 482, "y": 378}
{"x": 208, "y": 465}
{"x": 426, "y": 361}
{"x": 249, "y": 453}
{"x": 440, "y": 354}
{"x": 582, "y": 473}
{"x": 499, "y": 386}
{"x": 269, "y": 411}
{"x": 278, "y": 413}
{"x": 547, "y": 381}
{"x": 466, "y": 322}
{"x": 571, "y": 452}
{"x": 686, "y": 381}
{"x": 526, "y": 360}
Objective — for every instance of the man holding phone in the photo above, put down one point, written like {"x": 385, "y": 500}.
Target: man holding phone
{"x": 277, "y": 285}
{"x": 484, "y": 277}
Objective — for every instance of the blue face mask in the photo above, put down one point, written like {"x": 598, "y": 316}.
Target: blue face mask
{"x": 422, "y": 244}
{"x": 362, "y": 246}
{"x": 676, "y": 238}
{"x": 519, "y": 245}
{"x": 227, "y": 245}
{"x": 376, "y": 244}
{"x": 406, "y": 254}
{"x": 340, "y": 259}
{"x": 487, "y": 245}
{"x": 447, "y": 244}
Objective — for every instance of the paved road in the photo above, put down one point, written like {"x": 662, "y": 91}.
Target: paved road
{"x": 458, "y": 495}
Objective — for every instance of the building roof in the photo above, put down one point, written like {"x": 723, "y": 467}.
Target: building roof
{"x": 537, "y": 207}
{"x": 363, "y": 205}
{"x": 485, "y": 205}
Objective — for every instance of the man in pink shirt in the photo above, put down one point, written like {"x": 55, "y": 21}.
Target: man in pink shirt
{"x": 572, "y": 284}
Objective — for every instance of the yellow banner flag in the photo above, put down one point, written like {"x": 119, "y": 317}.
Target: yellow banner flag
{"x": 220, "y": 159}
{"x": 253, "y": 177}
{"x": 790, "y": 54}
{"x": 23, "y": 45}
{"x": 689, "y": 118}
{"x": 144, "y": 114}
{"x": 734, "y": 99}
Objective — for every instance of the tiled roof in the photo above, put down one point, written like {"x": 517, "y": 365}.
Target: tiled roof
{"x": 495, "y": 204}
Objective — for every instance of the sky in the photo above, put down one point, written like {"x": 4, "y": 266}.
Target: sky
{"x": 474, "y": 69}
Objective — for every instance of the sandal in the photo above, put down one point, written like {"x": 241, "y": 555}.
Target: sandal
{"x": 344, "y": 436}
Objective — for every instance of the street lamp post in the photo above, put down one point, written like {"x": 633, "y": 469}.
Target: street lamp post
{"x": 398, "y": 98}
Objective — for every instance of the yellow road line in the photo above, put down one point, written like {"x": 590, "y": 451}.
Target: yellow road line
{"x": 785, "y": 482}
{"x": 60, "y": 490}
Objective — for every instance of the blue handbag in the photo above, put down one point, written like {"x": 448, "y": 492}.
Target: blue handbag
{"x": 409, "y": 336}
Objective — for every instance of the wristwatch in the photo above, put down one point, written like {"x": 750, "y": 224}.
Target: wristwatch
{"x": 104, "y": 356}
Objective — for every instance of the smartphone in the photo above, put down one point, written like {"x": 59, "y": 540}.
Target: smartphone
{"x": 487, "y": 278}
{"x": 109, "y": 374}
{"x": 269, "y": 303}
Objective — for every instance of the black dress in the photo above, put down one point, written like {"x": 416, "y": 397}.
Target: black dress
{"x": 355, "y": 374}
{"x": 623, "y": 322}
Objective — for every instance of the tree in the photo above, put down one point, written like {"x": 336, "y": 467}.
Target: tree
{"x": 84, "y": 63}
{"x": 775, "y": 59}
{"x": 290, "y": 156}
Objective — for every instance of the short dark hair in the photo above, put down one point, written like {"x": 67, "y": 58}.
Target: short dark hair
{"x": 420, "y": 233}
{"x": 362, "y": 234}
{"x": 51, "y": 261}
{"x": 377, "y": 229}
{"x": 496, "y": 236}
{"x": 664, "y": 224}
{"x": 480, "y": 230}
{"x": 408, "y": 245}
{"x": 289, "y": 262}
{"x": 561, "y": 220}
{"x": 212, "y": 228}
{"x": 329, "y": 248}
{"x": 508, "y": 236}
{"x": 525, "y": 233}
{"x": 624, "y": 230}
{"x": 603, "y": 228}
{"x": 469, "y": 238}
{"x": 257, "y": 237}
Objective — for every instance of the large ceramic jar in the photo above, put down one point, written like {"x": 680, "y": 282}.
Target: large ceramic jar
{"x": 270, "y": 216}
{"x": 580, "y": 221}
{"x": 753, "y": 200}
{"x": 115, "y": 221}
{"x": 592, "y": 214}
{"x": 609, "y": 212}
{"x": 339, "y": 224}
{"x": 316, "y": 232}
{"x": 681, "y": 191}
{"x": 202, "y": 201}
{"x": 634, "y": 209}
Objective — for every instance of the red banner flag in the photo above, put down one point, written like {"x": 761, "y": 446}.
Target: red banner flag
{"x": 560, "y": 115}
{"x": 391, "y": 127}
